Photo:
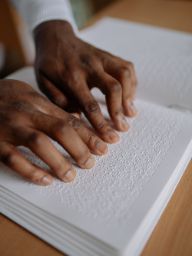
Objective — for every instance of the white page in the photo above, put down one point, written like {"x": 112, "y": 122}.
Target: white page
{"x": 111, "y": 201}
{"x": 162, "y": 58}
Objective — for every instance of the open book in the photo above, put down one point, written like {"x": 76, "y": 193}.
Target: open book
{"x": 113, "y": 208}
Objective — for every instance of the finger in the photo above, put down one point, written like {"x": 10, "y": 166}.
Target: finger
{"x": 93, "y": 113}
{"x": 75, "y": 122}
{"x": 40, "y": 144}
{"x": 11, "y": 157}
{"x": 67, "y": 137}
{"x": 124, "y": 72}
{"x": 57, "y": 96}
{"x": 52, "y": 92}
{"x": 43, "y": 105}
{"x": 113, "y": 91}
{"x": 128, "y": 80}
{"x": 95, "y": 144}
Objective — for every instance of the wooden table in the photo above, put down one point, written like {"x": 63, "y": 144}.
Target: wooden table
{"x": 173, "y": 234}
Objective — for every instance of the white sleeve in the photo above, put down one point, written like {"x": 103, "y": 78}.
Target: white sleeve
{"x": 35, "y": 12}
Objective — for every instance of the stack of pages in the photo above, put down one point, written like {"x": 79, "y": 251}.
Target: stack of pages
{"x": 113, "y": 208}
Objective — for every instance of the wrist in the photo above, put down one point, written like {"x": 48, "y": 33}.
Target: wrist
{"x": 53, "y": 27}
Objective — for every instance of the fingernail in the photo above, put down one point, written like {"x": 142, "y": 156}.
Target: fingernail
{"x": 113, "y": 136}
{"x": 101, "y": 146}
{"x": 89, "y": 163}
{"x": 122, "y": 123}
{"x": 46, "y": 180}
{"x": 131, "y": 108}
{"x": 69, "y": 175}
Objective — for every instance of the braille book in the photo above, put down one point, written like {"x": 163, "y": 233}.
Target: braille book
{"x": 113, "y": 208}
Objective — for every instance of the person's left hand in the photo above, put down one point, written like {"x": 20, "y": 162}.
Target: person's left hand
{"x": 67, "y": 68}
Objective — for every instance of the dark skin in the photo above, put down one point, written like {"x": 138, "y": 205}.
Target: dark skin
{"x": 29, "y": 119}
{"x": 66, "y": 68}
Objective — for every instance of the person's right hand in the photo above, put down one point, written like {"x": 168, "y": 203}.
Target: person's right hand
{"x": 29, "y": 119}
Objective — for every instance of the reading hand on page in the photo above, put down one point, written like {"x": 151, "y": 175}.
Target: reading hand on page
{"x": 67, "y": 68}
{"x": 27, "y": 119}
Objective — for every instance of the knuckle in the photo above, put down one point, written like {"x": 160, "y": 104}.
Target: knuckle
{"x": 91, "y": 139}
{"x": 92, "y": 107}
{"x": 130, "y": 95}
{"x": 86, "y": 59}
{"x": 83, "y": 156}
{"x": 91, "y": 62}
{"x": 59, "y": 127}
{"x": 115, "y": 87}
{"x": 74, "y": 122}
{"x": 124, "y": 68}
{"x": 35, "y": 138}
{"x": 129, "y": 64}
{"x": 117, "y": 111}
{"x": 101, "y": 125}
{"x": 125, "y": 72}
{"x": 76, "y": 77}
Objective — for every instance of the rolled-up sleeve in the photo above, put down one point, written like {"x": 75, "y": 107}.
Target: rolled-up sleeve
{"x": 35, "y": 12}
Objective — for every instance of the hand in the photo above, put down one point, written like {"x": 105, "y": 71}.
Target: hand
{"x": 27, "y": 119}
{"x": 67, "y": 68}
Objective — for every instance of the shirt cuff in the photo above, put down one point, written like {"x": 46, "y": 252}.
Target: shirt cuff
{"x": 37, "y": 11}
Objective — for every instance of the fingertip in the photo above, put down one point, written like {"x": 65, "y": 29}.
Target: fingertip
{"x": 69, "y": 175}
{"x": 89, "y": 163}
{"x": 101, "y": 147}
{"x": 121, "y": 123}
{"x": 130, "y": 109}
{"x": 46, "y": 180}
{"x": 38, "y": 179}
{"x": 111, "y": 137}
